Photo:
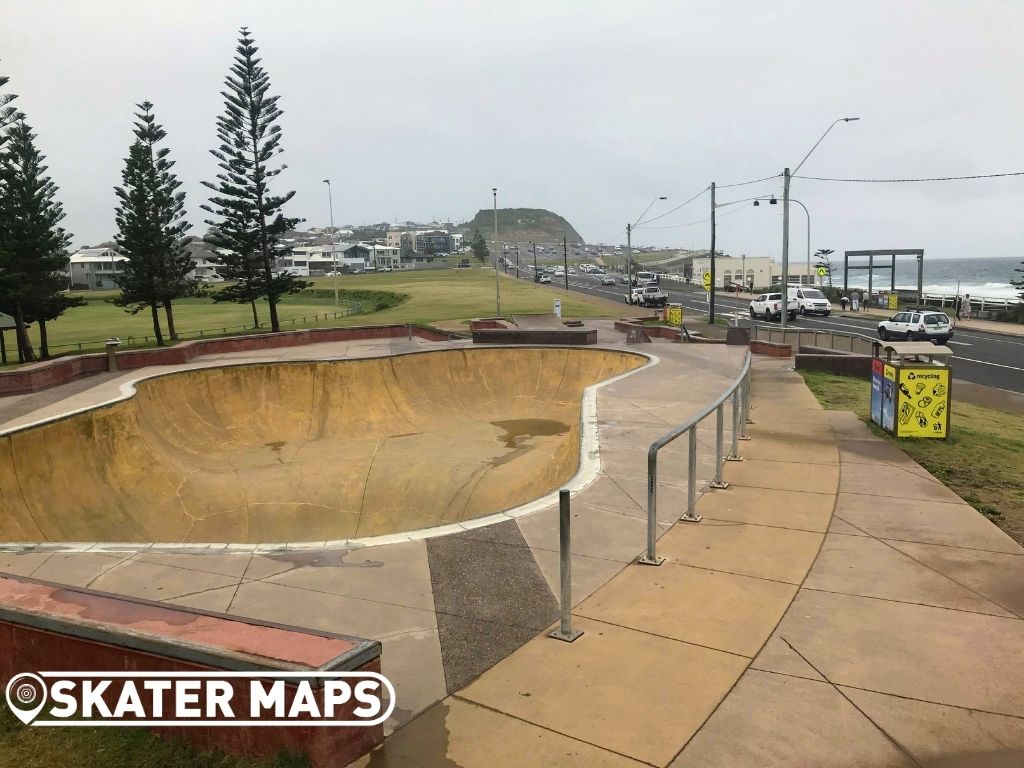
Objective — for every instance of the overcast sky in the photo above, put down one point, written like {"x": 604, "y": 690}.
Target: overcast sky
{"x": 591, "y": 109}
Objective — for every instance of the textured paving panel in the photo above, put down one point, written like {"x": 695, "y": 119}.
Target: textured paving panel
{"x": 490, "y": 597}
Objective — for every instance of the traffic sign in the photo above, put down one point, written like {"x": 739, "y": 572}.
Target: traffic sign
{"x": 706, "y": 278}
{"x": 822, "y": 271}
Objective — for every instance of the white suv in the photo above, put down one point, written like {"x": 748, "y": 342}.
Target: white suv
{"x": 769, "y": 306}
{"x": 917, "y": 325}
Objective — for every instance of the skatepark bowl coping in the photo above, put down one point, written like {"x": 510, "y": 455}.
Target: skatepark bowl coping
{"x": 305, "y": 451}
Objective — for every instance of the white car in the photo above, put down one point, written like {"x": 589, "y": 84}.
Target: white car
{"x": 769, "y": 306}
{"x": 919, "y": 324}
{"x": 544, "y": 279}
{"x": 607, "y": 280}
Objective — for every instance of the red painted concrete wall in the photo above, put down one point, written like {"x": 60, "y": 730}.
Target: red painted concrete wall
{"x": 27, "y": 649}
{"x": 771, "y": 348}
{"x": 51, "y": 373}
{"x": 47, "y": 627}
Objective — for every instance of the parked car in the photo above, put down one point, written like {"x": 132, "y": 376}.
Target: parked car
{"x": 645, "y": 278}
{"x": 607, "y": 280}
{"x": 811, "y": 301}
{"x": 769, "y": 306}
{"x": 917, "y": 325}
{"x": 544, "y": 279}
{"x": 647, "y": 296}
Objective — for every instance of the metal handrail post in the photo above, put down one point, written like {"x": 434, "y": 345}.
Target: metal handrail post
{"x": 565, "y": 631}
{"x": 718, "y": 482}
{"x": 746, "y": 409}
{"x": 691, "y": 515}
{"x": 737, "y": 417}
{"x": 651, "y": 557}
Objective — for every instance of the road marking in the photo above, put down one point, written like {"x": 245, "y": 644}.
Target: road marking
{"x": 985, "y": 362}
{"x": 960, "y": 343}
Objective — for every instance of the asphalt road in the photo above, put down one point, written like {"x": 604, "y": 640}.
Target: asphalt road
{"x": 980, "y": 357}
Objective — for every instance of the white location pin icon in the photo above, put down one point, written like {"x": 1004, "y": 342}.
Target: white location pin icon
{"x": 26, "y": 695}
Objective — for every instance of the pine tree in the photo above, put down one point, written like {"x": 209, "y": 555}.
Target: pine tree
{"x": 479, "y": 246}
{"x": 32, "y": 242}
{"x": 151, "y": 227}
{"x": 7, "y": 112}
{"x": 250, "y": 222}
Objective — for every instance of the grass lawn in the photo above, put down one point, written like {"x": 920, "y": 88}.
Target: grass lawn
{"x": 25, "y": 747}
{"x": 461, "y": 294}
{"x": 425, "y": 296}
{"x": 982, "y": 462}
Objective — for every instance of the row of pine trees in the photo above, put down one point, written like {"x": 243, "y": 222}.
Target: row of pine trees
{"x": 246, "y": 221}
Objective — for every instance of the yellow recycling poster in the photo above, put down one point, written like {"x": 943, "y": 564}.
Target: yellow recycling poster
{"x": 923, "y": 402}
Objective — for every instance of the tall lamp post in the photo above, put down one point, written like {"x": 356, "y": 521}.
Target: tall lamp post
{"x": 785, "y": 217}
{"x": 629, "y": 243}
{"x": 334, "y": 252}
{"x": 497, "y": 279}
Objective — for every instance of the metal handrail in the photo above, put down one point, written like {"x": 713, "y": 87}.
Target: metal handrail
{"x": 739, "y": 391}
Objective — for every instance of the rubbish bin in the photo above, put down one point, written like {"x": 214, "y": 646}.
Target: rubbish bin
{"x": 911, "y": 384}
{"x": 674, "y": 314}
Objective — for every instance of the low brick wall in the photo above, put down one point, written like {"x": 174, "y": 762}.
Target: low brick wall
{"x": 840, "y": 363}
{"x": 771, "y": 348}
{"x": 55, "y": 628}
{"x": 51, "y": 373}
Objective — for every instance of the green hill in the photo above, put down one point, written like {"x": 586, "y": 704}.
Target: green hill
{"x": 521, "y": 225}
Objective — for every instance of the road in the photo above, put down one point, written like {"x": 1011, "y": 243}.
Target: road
{"x": 980, "y": 357}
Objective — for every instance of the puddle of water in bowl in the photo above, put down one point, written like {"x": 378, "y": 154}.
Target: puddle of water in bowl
{"x": 518, "y": 431}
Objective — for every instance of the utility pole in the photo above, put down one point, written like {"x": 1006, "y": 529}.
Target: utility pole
{"x": 334, "y": 252}
{"x": 785, "y": 247}
{"x": 534, "y": 261}
{"x": 497, "y": 277}
{"x": 517, "y": 261}
{"x": 629, "y": 259}
{"x": 565, "y": 261}
{"x": 711, "y": 299}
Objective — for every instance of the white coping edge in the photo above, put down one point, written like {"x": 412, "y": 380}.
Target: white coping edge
{"x": 589, "y": 469}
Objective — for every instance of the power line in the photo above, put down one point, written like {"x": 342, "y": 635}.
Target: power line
{"x": 701, "y": 221}
{"x": 745, "y": 183}
{"x": 666, "y": 213}
{"x": 901, "y": 181}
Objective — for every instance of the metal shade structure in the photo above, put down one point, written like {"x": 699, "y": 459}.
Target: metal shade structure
{"x": 871, "y": 267}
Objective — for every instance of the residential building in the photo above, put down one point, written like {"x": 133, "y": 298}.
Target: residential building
{"x": 95, "y": 268}
{"x": 433, "y": 241}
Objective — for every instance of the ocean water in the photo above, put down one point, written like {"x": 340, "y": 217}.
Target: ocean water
{"x": 981, "y": 277}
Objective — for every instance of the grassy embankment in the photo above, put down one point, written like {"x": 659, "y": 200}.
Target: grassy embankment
{"x": 982, "y": 461}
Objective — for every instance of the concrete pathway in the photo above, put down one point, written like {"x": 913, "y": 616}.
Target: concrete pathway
{"x": 837, "y": 606}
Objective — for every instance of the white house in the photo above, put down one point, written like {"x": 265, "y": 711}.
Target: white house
{"x": 93, "y": 268}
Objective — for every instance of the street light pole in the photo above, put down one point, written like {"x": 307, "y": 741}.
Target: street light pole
{"x": 784, "y": 315}
{"x": 334, "y": 252}
{"x": 629, "y": 260}
{"x": 497, "y": 278}
{"x": 808, "y": 214}
{"x": 711, "y": 295}
{"x": 785, "y": 219}
{"x": 629, "y": 243}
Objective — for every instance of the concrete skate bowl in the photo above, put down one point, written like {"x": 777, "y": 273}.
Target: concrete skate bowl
{"x": 305, "y": 452}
